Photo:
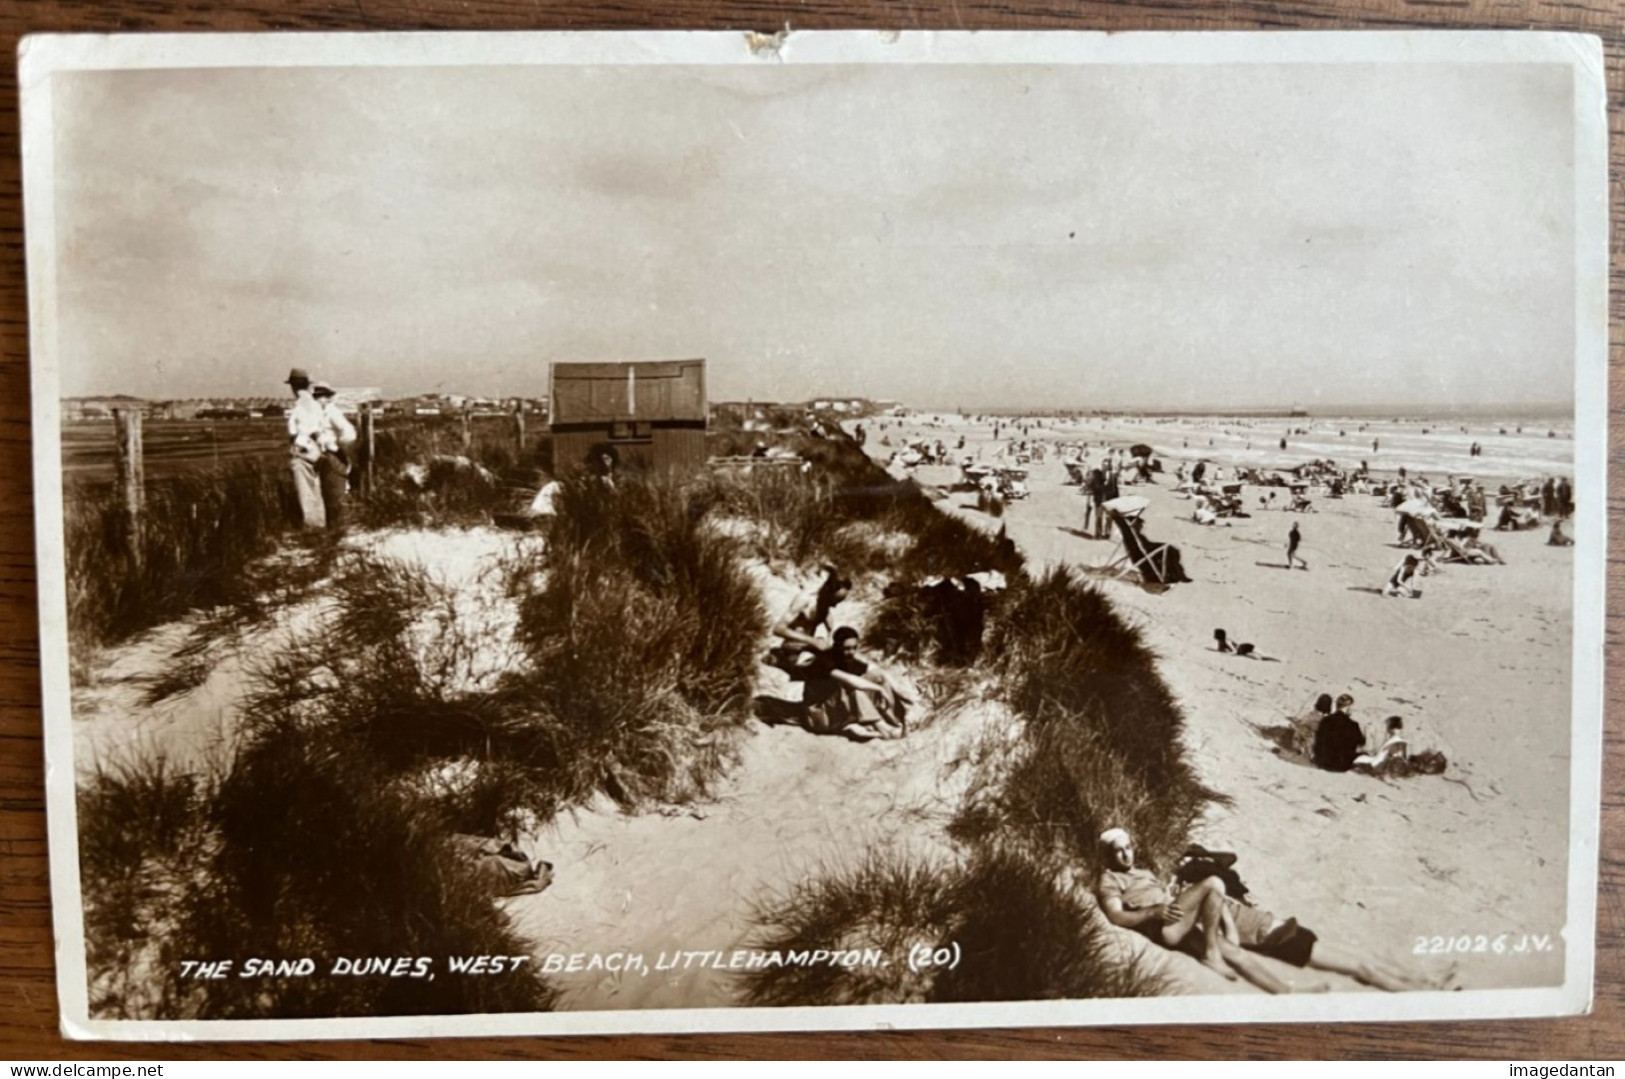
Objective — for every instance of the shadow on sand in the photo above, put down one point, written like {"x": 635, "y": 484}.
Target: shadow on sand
{"x": 1282, "y": 737}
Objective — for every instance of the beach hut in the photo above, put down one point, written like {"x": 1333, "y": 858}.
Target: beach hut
{"x": 653, "y": 413}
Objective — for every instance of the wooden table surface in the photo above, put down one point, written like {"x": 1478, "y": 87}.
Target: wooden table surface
{"x": 28, "y": 1007}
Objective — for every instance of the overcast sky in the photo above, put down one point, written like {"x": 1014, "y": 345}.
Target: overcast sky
{"x": 1175, "y": 236}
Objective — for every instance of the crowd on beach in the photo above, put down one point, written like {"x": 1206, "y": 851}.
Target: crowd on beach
{"x": 1203, "y": 908}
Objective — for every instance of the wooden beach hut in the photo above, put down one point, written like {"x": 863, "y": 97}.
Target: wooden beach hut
{"x": 653, "y": 413}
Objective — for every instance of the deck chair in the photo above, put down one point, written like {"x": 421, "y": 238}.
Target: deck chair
{"x": 1133, "y": 554}
{"x": 1423, "y": 534}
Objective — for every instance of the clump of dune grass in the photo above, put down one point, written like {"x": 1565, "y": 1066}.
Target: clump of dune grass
{"x": 885, "y": 901}
{"x": 794, "y": 511}
{"x": 999, "y": 927}
{"x": 846, "y": 510}
{"x": 320, "y": 838}
{"x": 1103, "y": 734}
{"x": 197, "y": 535}
{"x": 643, "y": 640}
{"x": 1022, "y": 933}
{"x": 423, "y": 474}
{"x": 140, "y": 826}
{"x": 322, "y": 852}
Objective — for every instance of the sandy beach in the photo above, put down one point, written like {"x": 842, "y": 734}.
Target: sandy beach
{"x": 1479, "y": 668}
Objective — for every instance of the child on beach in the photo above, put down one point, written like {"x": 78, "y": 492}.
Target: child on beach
{"x": 1394, "y": 746}
{"x": 1293, "y": 539}
{"x": 1399, "y": 581}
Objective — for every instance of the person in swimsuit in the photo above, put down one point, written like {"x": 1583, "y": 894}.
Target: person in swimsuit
{"x": 1133, "y": 898}
{"x": 798, "y": 629}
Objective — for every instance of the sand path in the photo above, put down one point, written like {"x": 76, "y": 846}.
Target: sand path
{"x": 796, "y": 807}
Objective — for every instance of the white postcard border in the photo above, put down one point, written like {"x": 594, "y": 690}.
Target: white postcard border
{"x": 41, "y": 56}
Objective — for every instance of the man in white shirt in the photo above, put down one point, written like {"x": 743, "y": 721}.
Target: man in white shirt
{"x": 305, "y": 423}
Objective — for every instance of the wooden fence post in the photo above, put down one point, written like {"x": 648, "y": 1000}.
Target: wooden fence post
{"x": 519, "y": 431}
{"x": 367, "y": 428}
{"x": 131, "y": 476}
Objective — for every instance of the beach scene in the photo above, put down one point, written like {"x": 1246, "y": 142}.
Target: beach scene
{"x": 1477, "y": 666}
{"x": 584, "y": 539}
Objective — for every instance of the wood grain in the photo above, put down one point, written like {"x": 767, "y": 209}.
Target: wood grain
{"x": 28, "y": 1007}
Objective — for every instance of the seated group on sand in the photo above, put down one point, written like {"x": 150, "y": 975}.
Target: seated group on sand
{"x": 842, "y": 691}
{"x": 1199, "y": 910}
{"x": 1333, "y": 741}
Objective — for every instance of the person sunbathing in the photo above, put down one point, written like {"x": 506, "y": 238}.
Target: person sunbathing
{"x": 1285, "y": 940}
{"x": 1453, "y": 550}
{"x": 1480, "y": 552}
{"x": 1134, "y": 898}
{"x": 798, "y": 629}
{"x": 1251, "y": 929}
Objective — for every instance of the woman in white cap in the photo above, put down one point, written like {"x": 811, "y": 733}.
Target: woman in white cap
{"x": 334, "y": 438}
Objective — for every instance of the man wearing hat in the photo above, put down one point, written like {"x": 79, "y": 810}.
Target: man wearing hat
{"x": 305, "y": 423}
{"x": 336, "y": 437}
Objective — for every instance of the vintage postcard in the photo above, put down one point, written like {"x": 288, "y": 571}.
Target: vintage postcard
{"x": 559, "y": 533}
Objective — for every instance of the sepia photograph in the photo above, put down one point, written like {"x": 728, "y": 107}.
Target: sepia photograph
{"x": 567, "y": 533}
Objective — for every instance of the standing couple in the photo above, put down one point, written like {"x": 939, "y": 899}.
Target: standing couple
{"x": 320, "y": 440}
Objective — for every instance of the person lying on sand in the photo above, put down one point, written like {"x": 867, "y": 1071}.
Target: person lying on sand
{"x": 798, "y": 629}
{"x": 1133, "y": 898}
{"x": 1260, "y": 931}
{"x": 1257, "y": 930}
{"x": 837, "y": 682}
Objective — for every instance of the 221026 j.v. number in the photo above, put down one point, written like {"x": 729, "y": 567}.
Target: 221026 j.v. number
{"x": 1503, "y": 944}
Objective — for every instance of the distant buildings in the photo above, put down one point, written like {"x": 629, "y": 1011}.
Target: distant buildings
{"x": 351, "y": 399}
